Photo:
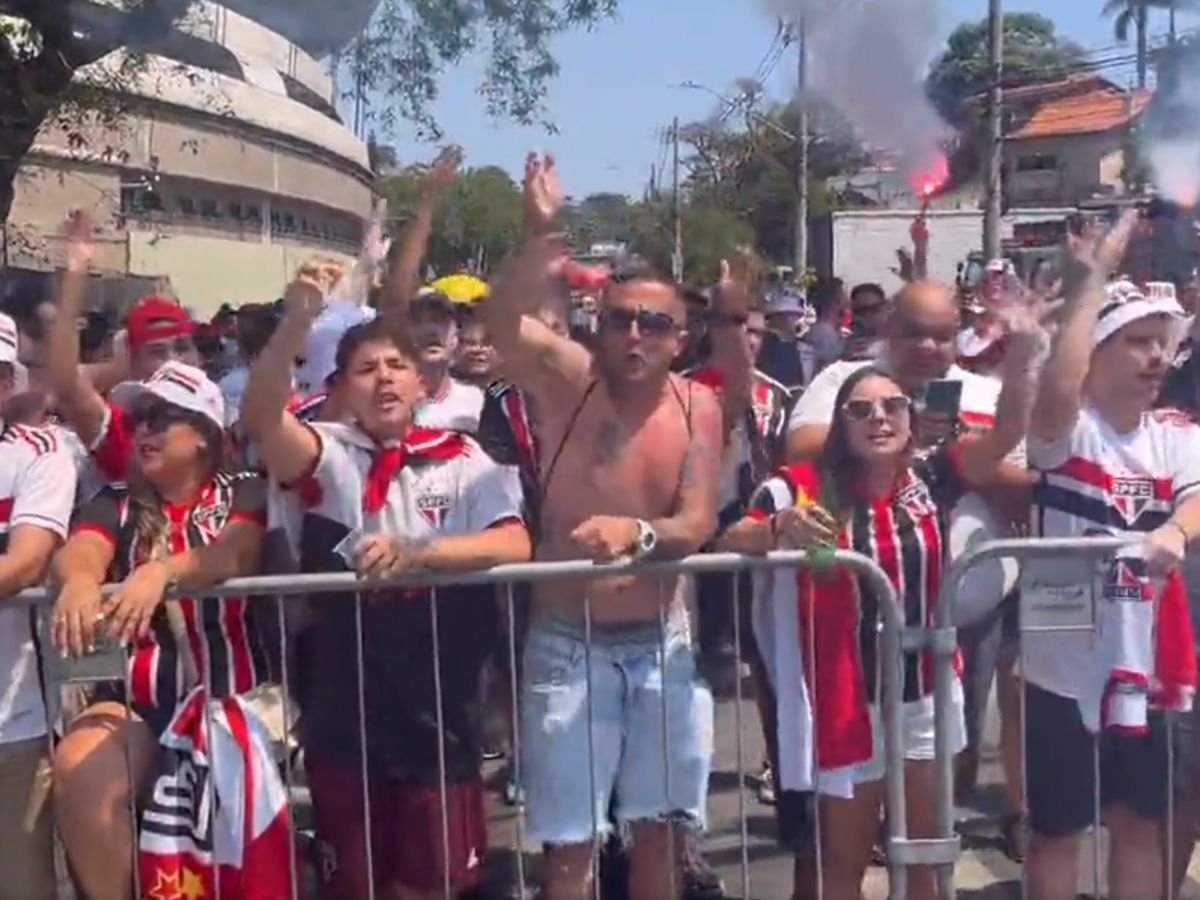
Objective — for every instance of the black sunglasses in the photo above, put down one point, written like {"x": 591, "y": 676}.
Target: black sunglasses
{"x": 157, "y": 415}
{"x": 651, "y": 324}
{"x": 716, "y": 318}
{"x": 862, "y": 410}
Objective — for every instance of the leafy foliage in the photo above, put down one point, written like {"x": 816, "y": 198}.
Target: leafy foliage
{"x": 410, "y": 43}
{"x": 478, "y": 218}
{"x": 1033, "y": 51}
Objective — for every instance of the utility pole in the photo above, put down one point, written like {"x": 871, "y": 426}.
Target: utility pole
{"x": 801, "y": 237}
{"x": 995, "y": 131}
{"x": 677, "y": 254}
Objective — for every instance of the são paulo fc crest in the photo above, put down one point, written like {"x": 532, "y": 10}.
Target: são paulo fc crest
{"x": 434, "y": 507}
{"x": 1131, "y": 496}
{"x": 1128, "y": 580}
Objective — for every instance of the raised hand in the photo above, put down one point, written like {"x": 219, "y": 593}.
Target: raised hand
{"x": 905, "y": 269}
{"x": 919, "y": 231}
{"x": 81, "y": 245}
{"x": 445, "y": 167}
{"x": 542, "y": 191}
{"x": 736, "y": 280}
{"x": 1093, "y": 254}
{"x": 304, "y": 298}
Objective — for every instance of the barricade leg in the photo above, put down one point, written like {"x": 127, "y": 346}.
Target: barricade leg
{"x": 364, "y": 762}
{"x": 672, "y": 855}
{"x": 594, "y": 864}
{"x": 289, "y": 776}
{"x": 743, "y": 828}
{"x": 515, "y": 761}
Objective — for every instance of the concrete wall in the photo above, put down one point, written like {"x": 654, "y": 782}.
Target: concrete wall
{"x": 1088, "y": 165}
{"x": 865, "y": 241}
{"x": 207, "y": 271}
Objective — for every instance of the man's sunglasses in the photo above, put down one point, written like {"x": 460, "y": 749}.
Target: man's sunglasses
{"x": 652, "y": 324}
{"x": 158, "y": 415}
{"x": 862, "y": 410}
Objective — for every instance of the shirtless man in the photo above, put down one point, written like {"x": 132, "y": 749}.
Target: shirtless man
{"x": 630, "y": 463}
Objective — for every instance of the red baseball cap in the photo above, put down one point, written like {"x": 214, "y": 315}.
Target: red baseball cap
{"x": 155, "y": 319}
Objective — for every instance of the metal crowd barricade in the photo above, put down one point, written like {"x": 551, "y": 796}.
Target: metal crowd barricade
{"x": 902, "y": 851}
{"x": 941, "y": 640}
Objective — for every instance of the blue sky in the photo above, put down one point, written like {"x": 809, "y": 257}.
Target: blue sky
{"x": 614, "y": 95}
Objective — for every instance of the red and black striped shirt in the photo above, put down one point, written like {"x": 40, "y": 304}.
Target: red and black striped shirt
{"x": 225, "y": 638}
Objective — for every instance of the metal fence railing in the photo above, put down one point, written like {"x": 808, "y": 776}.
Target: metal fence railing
{"x": 902, "y": 852}
{"x": 1075, "y": 579}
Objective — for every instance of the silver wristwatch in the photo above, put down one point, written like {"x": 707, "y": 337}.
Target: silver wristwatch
{"x": 646, "y": 541}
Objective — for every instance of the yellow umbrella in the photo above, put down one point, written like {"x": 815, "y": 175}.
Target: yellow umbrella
{"x": 461, "y": 288}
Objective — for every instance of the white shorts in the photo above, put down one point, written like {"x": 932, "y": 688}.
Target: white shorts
{"x": 918, "y": 742}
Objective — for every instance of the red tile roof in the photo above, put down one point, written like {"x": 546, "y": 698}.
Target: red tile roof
{"x": 1101, "y": 109}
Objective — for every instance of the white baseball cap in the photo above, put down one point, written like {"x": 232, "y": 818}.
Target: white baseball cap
{"x": 180, "y": 385}
{"x": 1126, "y": 303}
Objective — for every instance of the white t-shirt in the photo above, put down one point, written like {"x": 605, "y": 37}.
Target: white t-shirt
{"x": 457, "y": 408}
{"x": 37, "y": 488}
{"x": 448, "y": 486}
{"x": 1097, "y": 481}
{"x": 233, "y": 389}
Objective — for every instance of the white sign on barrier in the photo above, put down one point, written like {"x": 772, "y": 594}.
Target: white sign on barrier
{"x": 1059, "y": 593}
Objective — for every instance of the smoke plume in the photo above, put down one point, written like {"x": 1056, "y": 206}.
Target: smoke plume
{"x": 1169, "y": 137}
{"x": 868, "y": 58}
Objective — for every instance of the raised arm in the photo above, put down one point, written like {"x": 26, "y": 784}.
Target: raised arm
{"x": 1088, "y": 260}
{"x": 730, "y": 349}
{"x": 404, "y": 279}
{"x": 78, "y": 401}
{"x": 920, "y": 239}
{"x": 535, "y": 358}
{"x": 1025, "y": 319}
{"x": 286, "y": 446}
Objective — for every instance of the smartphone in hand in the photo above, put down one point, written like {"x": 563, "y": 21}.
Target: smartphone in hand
{"x": 944, "y": 397}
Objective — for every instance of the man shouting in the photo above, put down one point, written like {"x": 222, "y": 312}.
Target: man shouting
{"x": 629, "y": 466}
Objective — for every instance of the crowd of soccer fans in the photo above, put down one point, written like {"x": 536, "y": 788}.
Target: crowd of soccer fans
{"x": 366, "y": 424}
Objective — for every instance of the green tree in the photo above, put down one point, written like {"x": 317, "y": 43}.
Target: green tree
{"x": 1136, "y": 14}
{"x": 599, "y": 218}
{"x": 410, "y": 43}
{"x": 478, "y": 220}
{"x": 401, "y": 56}
{"x": 748, "y": 168}
{"x": 1033, "y": 51}
{"x": 710, "y": 234}
{"x": 44, "y": 43}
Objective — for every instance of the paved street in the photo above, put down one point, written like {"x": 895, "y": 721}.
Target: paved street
{"x": 983, "y": 872}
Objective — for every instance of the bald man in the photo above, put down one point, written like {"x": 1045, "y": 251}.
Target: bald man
{"x": 919, "y": 349}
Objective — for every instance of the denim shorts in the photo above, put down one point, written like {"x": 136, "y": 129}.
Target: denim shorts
{"x": 651, "y": 724}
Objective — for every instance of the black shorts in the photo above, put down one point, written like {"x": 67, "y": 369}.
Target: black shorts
{"x": 1060, "y": 766}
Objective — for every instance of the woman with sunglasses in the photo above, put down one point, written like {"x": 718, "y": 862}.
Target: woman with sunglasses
{"x": 182, "y": 521}
{"x": 871, "y": 493}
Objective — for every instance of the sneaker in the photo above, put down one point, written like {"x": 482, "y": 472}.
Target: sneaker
{"x": 766, "y": 786}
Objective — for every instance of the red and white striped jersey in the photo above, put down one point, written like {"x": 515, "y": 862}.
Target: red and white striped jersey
{"x": 225, "y": 638}
{"x": 1096, "y": 481}
{"x": 37, "y": 488}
